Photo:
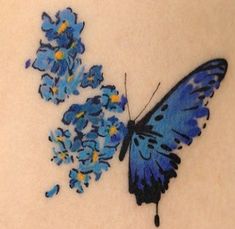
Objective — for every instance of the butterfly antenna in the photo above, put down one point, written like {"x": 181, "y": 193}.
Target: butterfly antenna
{"x": 128, "y": 108}
{"x": 157, "y": 218}
{"x": 148, "y": 102}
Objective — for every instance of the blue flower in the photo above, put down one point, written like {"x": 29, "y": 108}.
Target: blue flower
{"x": 89, "y": 147}
{"x": 113, "y": 131}
{"x": 80, "y": 115}
{"x": 65, "y": 30}
{"x": 52, "y": 89}
{"x": 93, "y": 78}
{"x": 55, "y": 59}
{"x": 78, "y": 179}
{"x": 111, "y": 99}
{"x": 62, "y": 156}
{"x": 93, "y": 159}
{"x": 65, "y": 146}
{"x": 62, "y": 138}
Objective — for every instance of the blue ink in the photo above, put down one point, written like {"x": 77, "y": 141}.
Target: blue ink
{"x": 65, "y": 30}
{"x": 57, "y": 60}
{"x": 80, "y": 115}
{"x": 90, "y": 157}
{"x": 93, "y": 159}
{"x": 113, "y": 130}
{"x": 78, "y": 179}
{"x": 54, "y": 191}
{"x": 63, "y": 152}
{"x": 154, "y": 140}
{"x": 93, "y": 78}
{"x": 73, "y": 80}
{"x": 59, "y": 57}
{"x": 111, "y": 99}
{"x": 62, "y": 157}
{"x": 93, "y": 134}
{"x": 27, "y": 63}
{"x": 61, "y": 137}
{"x": 52, "y": 89}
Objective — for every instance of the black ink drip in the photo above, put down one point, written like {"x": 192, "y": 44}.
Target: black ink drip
{"x": 157, "y": 218}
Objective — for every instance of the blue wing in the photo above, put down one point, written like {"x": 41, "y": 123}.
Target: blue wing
{"x": 175, "y": 120}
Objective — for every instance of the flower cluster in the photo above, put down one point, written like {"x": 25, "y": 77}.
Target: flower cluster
{"x": 64, "y": 146}
{"x": 91, "y": 132}
{"x": 96, "y": 138}
{"x": 59, "y": 57}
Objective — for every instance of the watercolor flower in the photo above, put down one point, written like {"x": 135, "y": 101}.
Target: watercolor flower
{"x": 65, "y": 146}
{"x": 61, "y": 157}
{"x": 78, "y": 179}
{"x": 55, "y": 59}
{"x": 65, "y": 30}
{"x": 62, "y": 138}
{"x": 113, "y": 130}
{"x": 52, "y": 89}
{"x": 88, "y": 148}
{"x": 111, "y": 99}
{"x": 93, "y": 159}
{"x": 93, "y": 77}
{"x": 80, "y": 115}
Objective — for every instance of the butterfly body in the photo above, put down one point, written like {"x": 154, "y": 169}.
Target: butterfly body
{"x": 131, "y": 129}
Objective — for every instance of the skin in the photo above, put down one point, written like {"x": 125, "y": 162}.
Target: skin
{"x": 152, "y": 41}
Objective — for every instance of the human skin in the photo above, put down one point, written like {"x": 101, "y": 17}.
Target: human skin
{"x": 152, "y": 41}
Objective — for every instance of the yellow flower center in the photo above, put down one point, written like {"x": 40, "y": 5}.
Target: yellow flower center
{"x": 59, "y": 55}
{"x": 62, "y": 155}
{"x": 80, "y": 114}
{"x": 59, "y": 139}
{"x": 112, "y": 130}
{"x": 54, "y": 90}
{"x": 80, "y": 176}
{"x": 70, "y": 78}
{"x": 114, "y": 98}
{"x": 90, "y": 78}
{"x": 95, "y": 156}
{"x": 64, "y": 25}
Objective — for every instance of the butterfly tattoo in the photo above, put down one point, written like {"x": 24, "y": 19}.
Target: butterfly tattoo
{"x": 93, "y": 133}
{"x": 154, "y": 140}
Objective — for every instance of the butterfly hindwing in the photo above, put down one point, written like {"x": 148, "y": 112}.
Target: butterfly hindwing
{"x": 174, "y": 121}
{"x": 149, "y": 168}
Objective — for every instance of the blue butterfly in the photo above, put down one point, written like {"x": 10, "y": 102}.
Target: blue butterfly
{"x": 154, "y": 140}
